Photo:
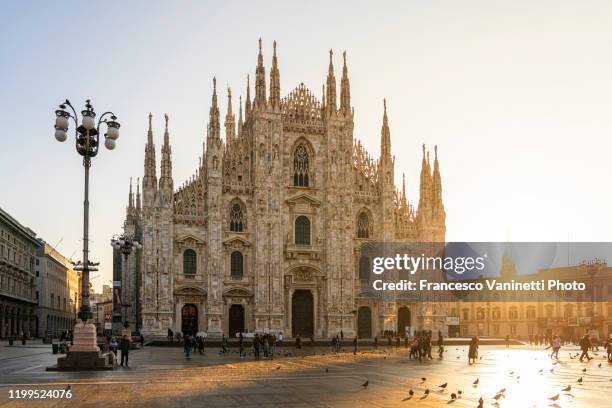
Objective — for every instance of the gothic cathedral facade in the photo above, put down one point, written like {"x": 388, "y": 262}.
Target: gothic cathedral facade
{"x": 266, "y": 235}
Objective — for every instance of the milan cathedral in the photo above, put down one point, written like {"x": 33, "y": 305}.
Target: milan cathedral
{"x": 266, "y": 234}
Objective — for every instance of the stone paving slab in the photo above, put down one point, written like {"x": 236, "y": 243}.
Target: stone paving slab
{"x": 161, "y": 377}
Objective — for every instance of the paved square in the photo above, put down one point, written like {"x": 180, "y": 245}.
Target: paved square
{"x": 161, "y": 377}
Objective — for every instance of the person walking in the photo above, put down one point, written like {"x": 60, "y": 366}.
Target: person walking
{"x": 376, "y": 342}
{"x": 224, "y": 343}
{"x": 125, "y": 350}
{"x": 298, "y": 342}
{"x": 187, "y": 346}
{"x": 585, "y": 345}
{"x": 440, "y": 344}
{"x": 609, "y": 348}
{"x": 256, "y": 346}
{"x": 141, "y": 341}
{"x": 241, "y": 344}
{"x": 473, "y": 350}
{"x": 556, "y": 345}
{"x": 355, "y": 346}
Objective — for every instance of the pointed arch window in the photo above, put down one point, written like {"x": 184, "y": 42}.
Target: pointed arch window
{"x": 237, "y": 218}
{"x": 363, "y": 225}
{"x": 301, "y": 167}
{"x": 302, "y": 230}
{"x": 237, "y": 265}
{"x": 189, "y": 263}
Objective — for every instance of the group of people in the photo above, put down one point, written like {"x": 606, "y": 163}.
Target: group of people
{"x": 123, "y": 344}
{"x": 420, "y": 345}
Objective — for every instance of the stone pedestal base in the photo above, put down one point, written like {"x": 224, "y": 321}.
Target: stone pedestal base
{"x": 84, "y": 354}
{"x": 82, "y": 361}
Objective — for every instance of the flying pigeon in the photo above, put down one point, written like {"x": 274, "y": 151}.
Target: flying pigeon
{"x": 554, "y": 397}
{"x": 365, "y": 384}
{"x": 580, "y": 380}
{"x": 423, "y": 379}
{"x": 411, "y": 393}
{"x": 443, "y": 385}
{"x": 476, "y": 381}
{"x": 584, "y": 370}
{"x": 453, "y": 396}
{"x": 567, "y": 389}
{"x": 426, "y": 391}
{"x": 498, "y": 396}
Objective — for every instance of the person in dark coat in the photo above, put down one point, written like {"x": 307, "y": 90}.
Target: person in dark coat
{"x": 473, "y": 351}
{"x": 585, "y": 345}
{"x": 125, "y": 350}
{"x": 355, "y": 346}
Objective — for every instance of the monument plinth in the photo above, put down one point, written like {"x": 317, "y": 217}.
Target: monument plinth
{"x": 84, "y": 354}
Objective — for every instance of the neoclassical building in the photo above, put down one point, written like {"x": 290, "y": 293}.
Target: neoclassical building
{"x": 266, "y": 234}
{"x": 57, "y": 292}
{"x": 18, "y": 295}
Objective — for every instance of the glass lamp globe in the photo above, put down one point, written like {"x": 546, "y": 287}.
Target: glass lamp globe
{"x": 61, "y": 122}
{"x": 110, "y": 144}
{"x": 113, "y": 130}
{"x": 60, "y": 135}
{"x": 88, "y": 122}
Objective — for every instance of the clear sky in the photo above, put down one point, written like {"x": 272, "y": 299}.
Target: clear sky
{"x": 517, "y": 95}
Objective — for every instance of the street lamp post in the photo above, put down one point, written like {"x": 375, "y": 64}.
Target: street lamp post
{"x": 125, "y": 244}
{"x": 87, "y": 137}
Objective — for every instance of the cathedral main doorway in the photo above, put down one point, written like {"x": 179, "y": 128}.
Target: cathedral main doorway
{"x": 364, "y": 322}
{"x": 236, "y": 320}
{"x": 189, "y": 319}
{"x": 403, "y": 320}
{"x": 302, "y": 313}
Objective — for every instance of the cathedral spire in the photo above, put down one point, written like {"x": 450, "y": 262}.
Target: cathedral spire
{"x": 404, "y": 200}
{"x": 138, "y": 200}
{"x": 230, "y": 129}
{"x": 247, "y": 103}
{"x": 331, "y": 85}
{"x": 345, "y": 89}
{"x": 214, "y": 130}
{"x": 274, "y": 82}
{"x": 150, "y": 178}
{"x": 437, "y": 181}
{"x": 425, "y": 186}
{"x": 165, "y": 179}
{"x": 385, "y": 134}
{"x": 323, "y": 99}
{"x": 260, "y": 82}
{"x": 240, "y": 123}
{"x": 130, "y": 197}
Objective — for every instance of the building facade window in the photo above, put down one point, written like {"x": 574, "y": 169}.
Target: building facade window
{"x": 513, "y": 313}
{"x": 363, "y": 225}
{"x": 237, "y": 265}
{"x": 531, "y": 313}
{"x": 301, "y": 168}
{"x": 466, "y": 314}
{"x": 237, "y": 218}
{"x": 302, "y": 230}
{"x": 190, "y": 259}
